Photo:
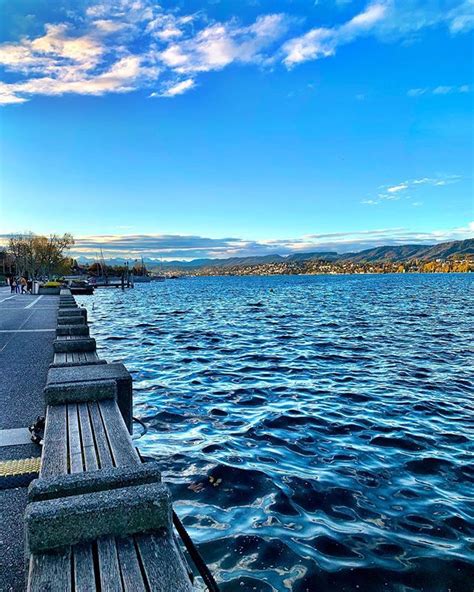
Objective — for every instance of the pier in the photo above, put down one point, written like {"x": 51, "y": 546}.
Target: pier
{"x": 96, "y": 517}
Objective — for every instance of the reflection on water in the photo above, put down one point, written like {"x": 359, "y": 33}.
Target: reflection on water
{"x": 316, "y": 432}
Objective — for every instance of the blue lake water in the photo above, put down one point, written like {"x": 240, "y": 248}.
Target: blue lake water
{"x": 316, "y": 431}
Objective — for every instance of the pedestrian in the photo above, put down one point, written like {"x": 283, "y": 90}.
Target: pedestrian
{"x": 18, "y": 285}
{"x": 24, "y": 285}
{"x": 12, "y": 285}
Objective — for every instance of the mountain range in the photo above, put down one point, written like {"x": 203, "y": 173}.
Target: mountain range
{"x": 393, "y": 254}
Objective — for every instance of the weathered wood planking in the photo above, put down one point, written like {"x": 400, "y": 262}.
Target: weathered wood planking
{"x": 88, "y": 445}
{"x": 54, "y": 458}
{"x": 123, "y": 452}
{"x": 102, "y": 445}
{"x": 50, "y": 572}
{"x": 84, "y": 575}
{"x": 130, "y": 567}
{"x": 160, "y": 560}
{"x": 110, "y": 578}
{"x": 74, "y": 436}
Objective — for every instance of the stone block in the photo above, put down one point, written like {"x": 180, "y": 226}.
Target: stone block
{"x": 76, "y": 363}
{"x": 75, "y": 344}
{"x": 92, "y": 372}
{"x": 79, "y": 392}
{"x": 72, "y": 320}
{"x": 73, "y": 330}
{"x": 58, "y": 523}
{"x": 93, "y": 481}
{"x": 72, "y": 310}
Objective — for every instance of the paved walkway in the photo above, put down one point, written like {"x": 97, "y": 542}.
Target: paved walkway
{"x": 27, "y": 332}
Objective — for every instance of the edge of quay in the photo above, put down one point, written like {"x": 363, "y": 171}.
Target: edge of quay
{"x": 97, "y": 517}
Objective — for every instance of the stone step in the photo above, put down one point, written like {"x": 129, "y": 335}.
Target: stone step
{"x": 72, "y": 343}
{"x": 73, "y": 330}
{"x": 77, "y": 392}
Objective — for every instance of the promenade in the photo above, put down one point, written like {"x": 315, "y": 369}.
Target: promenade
{"x": 27, "y": 332}
{"x": 96, "y": 517}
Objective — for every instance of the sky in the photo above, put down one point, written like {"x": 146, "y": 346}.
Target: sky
{"x": 236, "y": 127}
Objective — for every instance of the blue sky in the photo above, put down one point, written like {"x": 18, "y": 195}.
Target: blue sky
{"x": 193, "y": 129}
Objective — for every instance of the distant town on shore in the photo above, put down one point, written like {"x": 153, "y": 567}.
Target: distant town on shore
{"x": 449, "y": 257}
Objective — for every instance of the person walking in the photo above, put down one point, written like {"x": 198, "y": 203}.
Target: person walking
{"x": 17, "y": 285}
{"x": 12, "y": 285}
{"x": 24, "y": 285}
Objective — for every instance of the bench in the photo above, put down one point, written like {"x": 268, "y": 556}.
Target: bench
{"x": 86, "y": 437}
{"x": 75, "y": 359}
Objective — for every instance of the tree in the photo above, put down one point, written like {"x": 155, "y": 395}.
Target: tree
{"x": 39, "y": 255}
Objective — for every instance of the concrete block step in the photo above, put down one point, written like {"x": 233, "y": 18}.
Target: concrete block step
{"x": 73, "y": 343}
{"x": 58, "y": 394}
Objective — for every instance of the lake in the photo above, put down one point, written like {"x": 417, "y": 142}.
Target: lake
{"x": 316, "y": 431}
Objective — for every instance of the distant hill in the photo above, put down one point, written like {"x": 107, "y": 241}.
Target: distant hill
{"x": 406, "y": 252}
{"x": 389, "y": 254}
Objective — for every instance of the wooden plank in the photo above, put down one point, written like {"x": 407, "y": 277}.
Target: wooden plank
{"x": 100, "y": 437}
{"x": 54, "y": 457}
{"x": 50, "y": 572}
{"x": 129, "y": 565}
{"x": 60, "y": 358}
{"x": 83, "y": 559}
{"x": 161, "y": 563}
{"x": 123, "y": 451}
{"x": 84, "y": 574}
{"x": 91, "y": 356}
{"x": 110, "y": 578}
{"x": 75, "y": 449}
{"x": 88, "y": 446}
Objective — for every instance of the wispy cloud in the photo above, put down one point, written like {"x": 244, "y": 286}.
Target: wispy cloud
{"x": 176, "y": 89}
{"x": 397, "y": 188}
{"x": 407, "y": 189}
{"x": 439, "y": 90}
{"x": 157, "y": 246}
{"x": 386, "y": 20}
{"x": 117, "y": 46}
{"x": 321, "y": 42}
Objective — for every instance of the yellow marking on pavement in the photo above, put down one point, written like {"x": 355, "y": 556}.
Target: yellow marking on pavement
{"x": 20, "y": 466}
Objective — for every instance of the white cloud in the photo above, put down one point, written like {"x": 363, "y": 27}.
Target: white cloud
{"x": 397, "y": 188}
{"x": 387, "y": 20}
{"x": 322, "y": 42}
{"x": 399, "y": 191}
{"x": 461, "y": 18}
{"x": 439, "y": 90}
{"x": 416, "y": 92}
{"x": 221, "y": 44}
{"x": 125, "y": 45}
{"x": 176, "y": 89}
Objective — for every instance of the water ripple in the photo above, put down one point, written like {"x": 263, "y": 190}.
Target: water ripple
{"x": 316, "y": 432}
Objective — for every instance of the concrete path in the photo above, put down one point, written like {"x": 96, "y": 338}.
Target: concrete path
{"x": 27, "y": 332}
